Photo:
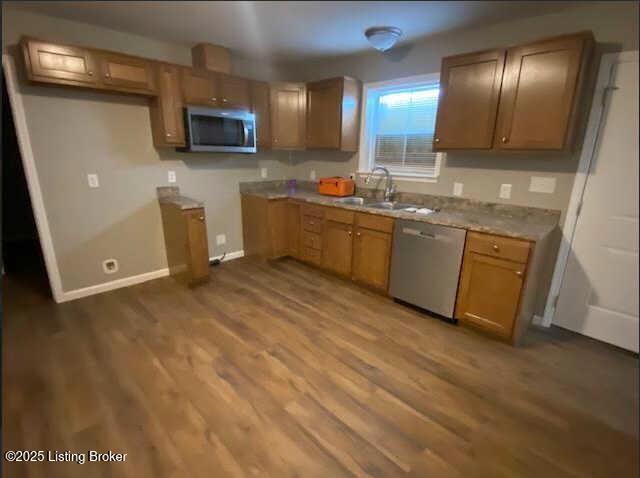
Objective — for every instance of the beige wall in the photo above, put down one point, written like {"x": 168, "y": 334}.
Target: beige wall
{"x": 75, "y": 132}
{"x": 615, "y": 26}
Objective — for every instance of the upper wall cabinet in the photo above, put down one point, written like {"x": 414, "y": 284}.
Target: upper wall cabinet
{"x": 199, "y": 87}
{"x": 541, "y": 93}
{"x": 234, "y": 92}
{"x": 527, "y": 99}
{"x": 167, "y": 124}
{"x": 288, "y": 115}
{"x": 469, "y": 94}
{"x": 261, "y": 108}
{"x": 333, "y": 113}
{"x": 127, "y": 73}
{"x": 60, "y": 64}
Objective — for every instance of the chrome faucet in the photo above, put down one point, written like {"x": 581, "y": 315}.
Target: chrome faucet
{"x": 390, "y": 189}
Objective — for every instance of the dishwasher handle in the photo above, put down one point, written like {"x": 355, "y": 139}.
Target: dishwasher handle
{"x": 415, "y": 232}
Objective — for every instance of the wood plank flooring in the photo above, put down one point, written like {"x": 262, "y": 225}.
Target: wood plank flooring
{"x": 275, "y": 369}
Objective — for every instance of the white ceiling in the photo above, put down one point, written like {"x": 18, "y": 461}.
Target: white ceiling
{"x": 280, "y": 31}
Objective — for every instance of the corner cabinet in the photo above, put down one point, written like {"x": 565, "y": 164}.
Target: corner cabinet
{"x": 333, "y": 114}
{"x": 288, "y": 106}
{"x": 525, "y": 98}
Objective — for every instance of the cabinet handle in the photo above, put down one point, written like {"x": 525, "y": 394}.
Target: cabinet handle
{"x": 437, "y": 140}
{"x": 224, "y": 100}
{"x": 496, "y": 248}
{"x": 214, "y": 99}
{"x": 505, "y": 139}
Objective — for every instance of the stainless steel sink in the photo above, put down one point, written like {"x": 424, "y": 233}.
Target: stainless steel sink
{"x": 354, "y": 201}
{"x": 391, "y": 205}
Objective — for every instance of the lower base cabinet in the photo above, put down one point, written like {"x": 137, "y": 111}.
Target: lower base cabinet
{"x": 371, "y": 258}
{"x": 492, "y": 282}
{"x": 338, "y": 244}
{"x": 185, "y": 233}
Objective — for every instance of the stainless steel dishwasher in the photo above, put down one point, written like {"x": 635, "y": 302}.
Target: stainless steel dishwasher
{"x": 425, "y": 265}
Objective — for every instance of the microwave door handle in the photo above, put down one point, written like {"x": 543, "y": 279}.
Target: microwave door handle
{"x": 245, "y": 133}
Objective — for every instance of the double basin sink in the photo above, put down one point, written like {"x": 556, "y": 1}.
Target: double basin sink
{"x": 386, "y": 205}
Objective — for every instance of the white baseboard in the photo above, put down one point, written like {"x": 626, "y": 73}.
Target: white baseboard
{"x": 538, "y": 320}
{"x": 129, "y": 281}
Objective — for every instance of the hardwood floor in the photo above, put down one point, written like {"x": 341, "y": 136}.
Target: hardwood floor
{"x": 279, "y": 370}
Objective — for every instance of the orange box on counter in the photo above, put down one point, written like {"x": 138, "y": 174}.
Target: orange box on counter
{"x": 336, "y": 186}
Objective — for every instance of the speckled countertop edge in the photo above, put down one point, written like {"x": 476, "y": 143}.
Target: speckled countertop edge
{"x": 533, "y": 226}
{"x": 171, "y": 195}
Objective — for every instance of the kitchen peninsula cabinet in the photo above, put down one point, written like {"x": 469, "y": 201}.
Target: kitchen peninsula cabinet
{"x": 524, "y": 98}
{"x": 288, "y": 105}
{"x": 333, "y": 113}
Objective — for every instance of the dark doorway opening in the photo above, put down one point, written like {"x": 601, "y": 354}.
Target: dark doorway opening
{"x": 22, "y": 259}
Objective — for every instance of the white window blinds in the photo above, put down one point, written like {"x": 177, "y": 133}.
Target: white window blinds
{"x": 403, "y": 126}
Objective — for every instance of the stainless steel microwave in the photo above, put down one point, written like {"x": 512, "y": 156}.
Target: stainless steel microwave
{"x": 219, "y": 130}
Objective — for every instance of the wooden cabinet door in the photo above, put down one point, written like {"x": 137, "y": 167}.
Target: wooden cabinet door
{"x": 371, "y": 258}
{"x": 260, "y": 107}
{"x": 288, "y": 115}
{"x": 197, "y": 245}
{"x": 293, "y": 229}
{"x": 277, "y": 221}
{"x": 234, "y": 92}
{"x": 199, "y": 88}
{"x": 489, "y": 293}
{"x": 121, "y": 72}
{"x": 59, "y": 63}
{"x": 167, "y": 123}
{"x": 539, "y": 93}
{"x": 468, "y": 104}
{"x": 337, "y": 247}
{"x": 324, "y": 114}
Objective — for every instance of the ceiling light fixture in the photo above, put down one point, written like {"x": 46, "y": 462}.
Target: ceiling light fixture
{"x": 383, "y": 38}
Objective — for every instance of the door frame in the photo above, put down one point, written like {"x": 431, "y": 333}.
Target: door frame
{"x": 589, "y": 150}
{"x": 31, "y": 175}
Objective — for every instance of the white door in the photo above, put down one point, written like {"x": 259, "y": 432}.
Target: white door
{"x": 599, "y": 292}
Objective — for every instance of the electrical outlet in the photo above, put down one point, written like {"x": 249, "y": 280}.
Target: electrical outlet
{"x": 92, "y": 179}
{"x": 312, "y": 175}
{"x": 221, "y": 239}
{"x": 457, "y": 189}
{"x": 110, "y": 266}
{"x": 171, "y": 176}
{"x": 505, "y": 191}
{"x": 540, "y": 184}
{"x": 263, "y": 172}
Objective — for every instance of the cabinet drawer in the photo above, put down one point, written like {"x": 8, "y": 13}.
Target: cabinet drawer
{"x": 311, "y": 255}
{"x": 312, "y": 224}
{"x": 312, "y": 240}
{"x": 316, "y": 211}
{"x": 496, "y": 246}
{"x": 376, "y": 223}
{"x": 339, "y": 215}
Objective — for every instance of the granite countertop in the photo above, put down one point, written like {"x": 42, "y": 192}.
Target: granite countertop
{"x": 171, "y": 195}
{"x": 518, "y": 222}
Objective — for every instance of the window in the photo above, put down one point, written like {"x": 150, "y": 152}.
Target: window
{"x": 399, "y": 126}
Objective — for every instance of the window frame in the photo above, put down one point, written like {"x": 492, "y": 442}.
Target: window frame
{"x": 370, "y": 93}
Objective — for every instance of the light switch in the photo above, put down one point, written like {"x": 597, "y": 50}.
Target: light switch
{"x": 172, "y": 176}
{"x": 541, "y": 184}
{"x": 312, "y": 175}
{"x": 221, "y": 239}
{"x": 263, "y": 172}
{"x": 457, "y": 189}
{"x": 92, "y": 179}
{"x": 505, "y": 191}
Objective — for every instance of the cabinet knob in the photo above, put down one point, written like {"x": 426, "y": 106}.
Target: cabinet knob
{"x": 437, "y": 140}
{"x": 168, "y": 135}
{"x": 90, "y": 73}
{"x": 358, "y": 234}
{"x": 349, "y": 232}
{"x": 519, "y": 273}
{"x": 496, "y": 248}
{"x": 224, "y": 100}
{"x": 505, "y": 139}
{"x": 107, "y": 75}
{"x": 311, "y": 223}
{"x": 214, "y": 99}
{"x": 201, "y": 218}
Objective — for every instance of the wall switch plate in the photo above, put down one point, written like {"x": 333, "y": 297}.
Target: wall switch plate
{"x": 312, "y": 175}
{"x": 171, "y": 176}
{"x": 541, "y": 184}
{"x": 92, "y": 179}
{"x": 457, "y": 189}
{"x": 263, "y": 172}
{"x": 110, "y": 266}
{"x": 505, "y": 191}
{"x": 221, "y": 239}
